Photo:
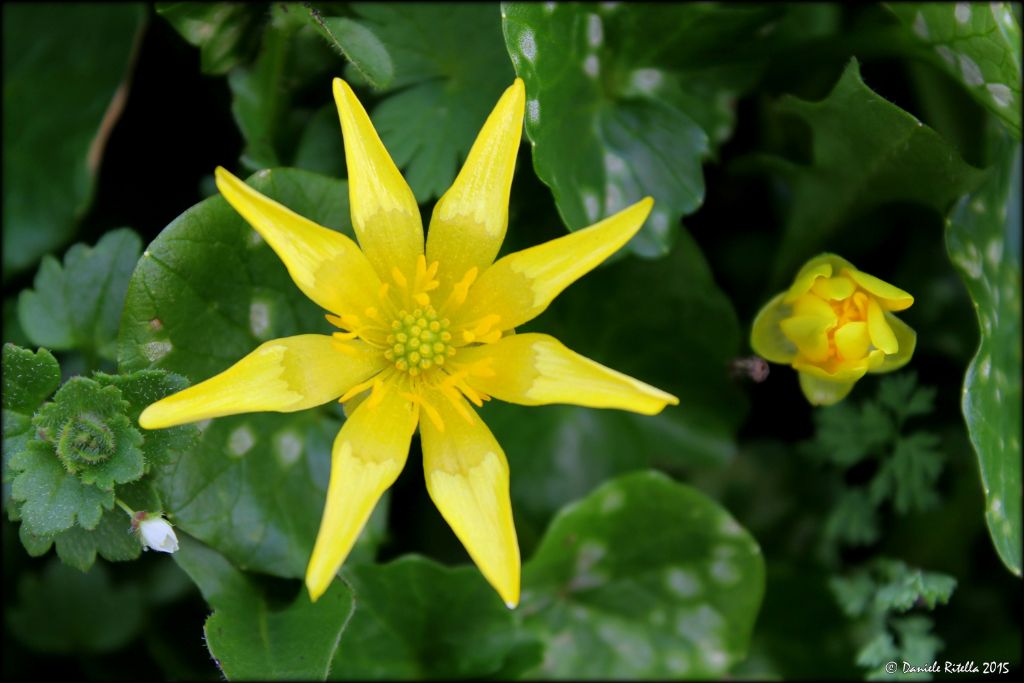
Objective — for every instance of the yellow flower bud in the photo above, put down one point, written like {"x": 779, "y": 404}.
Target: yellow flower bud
{"x": 833, "y": 325}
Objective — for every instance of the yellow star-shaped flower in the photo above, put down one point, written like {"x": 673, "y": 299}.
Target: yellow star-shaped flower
{"x": 423, "y": 330}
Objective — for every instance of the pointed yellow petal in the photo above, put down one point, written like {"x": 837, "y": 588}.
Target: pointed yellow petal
{"x": 891, "y": 298}
{"x": 537, "y": 369}
{"x": 369, "y": 454}
{"x": 325, "y": 264}
{"x": 766, "y": 337}
{"x": 906, "y": 340}
{"x": 282, "y": 375}
{"x": 520, "y": 286}
{"x": 469, "y": 221}
{"x": 810, "y": 334}
{"x": 878, "y": 327}
{"x": 852, "y": 340}
{"x": 467, "y": 478}
{"x": 385, "y": 215}
{"x": 824, "y": 392}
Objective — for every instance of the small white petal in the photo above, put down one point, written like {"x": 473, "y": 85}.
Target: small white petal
{"x": 158, "y": 534}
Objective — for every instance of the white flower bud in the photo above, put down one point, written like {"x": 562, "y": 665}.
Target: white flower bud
{"x": 158, "y": 534}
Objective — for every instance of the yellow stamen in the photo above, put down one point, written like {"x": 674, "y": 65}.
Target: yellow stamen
{"x": 357, "y": 389}
{"x": 461, "y": 289}
{"x": 448, "y": 391}
{"x": 377, "y": 395}
{"x": 430, "y": 410}
{"x": 400, "y": 280}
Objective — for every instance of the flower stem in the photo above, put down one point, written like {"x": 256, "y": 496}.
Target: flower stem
{"x": 123, "y": 506}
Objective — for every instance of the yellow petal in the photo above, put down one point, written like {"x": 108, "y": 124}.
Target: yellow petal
{"x": 906, "y": 340}
{"x": 878, "y": 327}
{"x": 385, "y": 215}
{"x": 281, "y": 375}
{"x": 834, "y": 288}
{"x": 766, "y": 337}
{"x": 845, "y": 371}
{"x": 852, "y": 340}
{"x": 520, "y": 286}
{"x": 823, "y": 392}
{"x": 469, "y": 221}
{"x": 818, "y": 267}
{"x": 325, "y": 264}
{"x": 891, "y": 298}
{"x": 537, "y": 369}
{"x": 810, "y": 334}
{"x": 814, "y": 305}
{"x": 468, "y": 480}
{"x": 369, "y": 454}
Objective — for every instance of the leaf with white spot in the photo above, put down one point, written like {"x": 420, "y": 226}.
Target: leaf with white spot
{"x": 983, "y": 237}
{"x": 622, "y": 104}
{"x": 644, "y": 578}
{"x": 205, "y": 294}
{"x": 415, "y": 618}
{"x": 977, "y": 44}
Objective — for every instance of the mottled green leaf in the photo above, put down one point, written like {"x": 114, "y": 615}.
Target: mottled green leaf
{"x": 223, "y": 31}
{"x": 867, "y": 152}
{"x": 417, "y": 619}
{"x": 78, "y": 306}
{"x": 252, "y": 636}
{"x": 64, "y": 68}
{"x": 983, "y": 237}
{"x": 644, "y": 578}
{"x": 561, "y": 453}
{"x": 207, "y": 292}
{"x": 64, "y": 611}
{"x": 449, "y": 70}
{"x": 977, "y": 44}
{"x": 622, "y": 103}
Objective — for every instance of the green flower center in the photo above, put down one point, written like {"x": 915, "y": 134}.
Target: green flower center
{"x": 419, "y": 341}
{"x": 85, "y": 440}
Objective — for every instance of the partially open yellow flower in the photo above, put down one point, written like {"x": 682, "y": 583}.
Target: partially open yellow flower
{"x": 422, "y": 331}
{"x": 833, "y": 325}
